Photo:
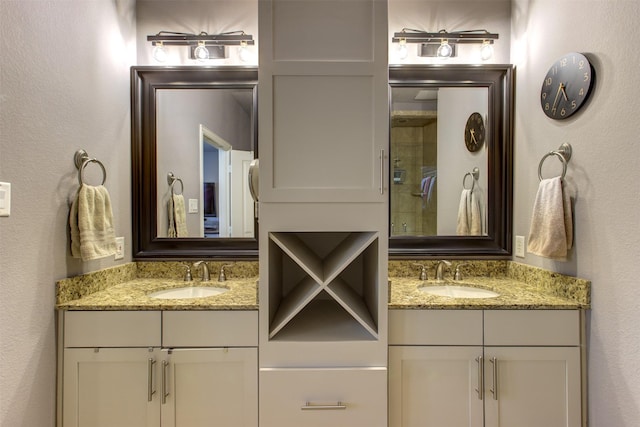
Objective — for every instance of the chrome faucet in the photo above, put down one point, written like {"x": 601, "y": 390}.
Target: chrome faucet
{"x": 440, "y": 269}
{"x": 205, "y": 270}
{"x": 222, "y": 276}
{"x": 187, "y": 274}
{"x": 458, "y": 273}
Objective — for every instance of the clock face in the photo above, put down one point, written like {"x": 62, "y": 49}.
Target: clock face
{"x": 566, "y": 86}
{"x": 474, "y": 132}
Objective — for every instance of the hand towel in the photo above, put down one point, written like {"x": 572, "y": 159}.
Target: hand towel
{"x": 469, "y": 217}
{"x": 551, "y": 232}
{"x": 91, "y": 223}
{"x": 177, "y": 217}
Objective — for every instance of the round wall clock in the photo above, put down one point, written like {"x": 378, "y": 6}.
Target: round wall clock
{"x": 474, "y": 132}
{"x": 566, "y": 86}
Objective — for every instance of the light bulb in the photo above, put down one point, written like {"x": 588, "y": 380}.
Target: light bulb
{"x": 403, "y": 52}
{"x": 486, "y": 51}
{"x": 445, "y": 50}
{"x": 201, "y": 52}
{"x": 243, "y": 52}
{"x": 159, "y": 52}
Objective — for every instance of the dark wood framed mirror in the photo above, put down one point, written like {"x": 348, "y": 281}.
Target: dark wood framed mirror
{"x": 148, "y": 83}
{"x": 495, "y": 158}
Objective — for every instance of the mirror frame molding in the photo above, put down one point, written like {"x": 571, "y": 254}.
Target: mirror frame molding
{"x": 145, "y": 81}
{"x": 498, "y": 79}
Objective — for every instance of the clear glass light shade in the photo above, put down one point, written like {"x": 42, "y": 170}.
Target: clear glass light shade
{"x": 159, "y": 52}
{"x": 445, "y": 50}
{"x": 243, "y": 52}
{"x": 403, "y": 52}
{"x": 486, "y": 51}
{"x": 201, "y": 52}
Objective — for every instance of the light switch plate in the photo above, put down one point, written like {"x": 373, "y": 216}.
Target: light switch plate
{"x": 520, "y": 246}
{"x": 5, "y": 199}
{"x": 119, "y": 248}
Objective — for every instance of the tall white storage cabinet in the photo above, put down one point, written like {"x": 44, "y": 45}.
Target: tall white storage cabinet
{"x": 323, "y": 132}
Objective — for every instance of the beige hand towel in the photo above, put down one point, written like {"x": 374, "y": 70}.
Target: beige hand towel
{"x": 551, "y": 233}
{"x": 469, "y": 216}
{"x": 177, "y": 217}
{"x": 91, "y": 223}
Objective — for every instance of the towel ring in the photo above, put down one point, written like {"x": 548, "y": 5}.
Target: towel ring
{"x": 82, "y": 159}
{"x": 563, "y": 153}
{"x": 171, "y": 179}
{"x": 475, "y": 174}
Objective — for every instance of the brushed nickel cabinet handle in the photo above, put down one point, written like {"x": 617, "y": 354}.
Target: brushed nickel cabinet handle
{"x": 480, "y": 389}
{"x": 165, "y": 393}
{"x": 494, "y": 389}
{"x": 310, "y": 406}
{"x": 150, "y": 390}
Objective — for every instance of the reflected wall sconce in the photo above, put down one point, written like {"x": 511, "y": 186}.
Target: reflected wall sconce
{"x": 202, "y": 46}
{"x": 443, "y": 44}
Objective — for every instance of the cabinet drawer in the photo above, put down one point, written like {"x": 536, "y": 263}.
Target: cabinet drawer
{"x": 532, "y": 327}
{"x": 323, "y": 397}
{"x": 210, "y": 329}
{"x": 435, "y": 327}
{"x": 112, "y": 329}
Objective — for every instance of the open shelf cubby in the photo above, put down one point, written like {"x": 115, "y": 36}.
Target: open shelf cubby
{"x": 323, "y": 286}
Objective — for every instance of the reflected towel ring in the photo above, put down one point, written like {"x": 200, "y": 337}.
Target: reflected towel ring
{"x": 563, "y": 153}
{"x": 475, "y": 174}
{"x": 82, "y": 159}
{"x": 171, "y": 179}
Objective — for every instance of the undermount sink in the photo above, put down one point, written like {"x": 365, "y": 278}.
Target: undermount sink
{"x": 458, "y": 291}
{"x": 188, "y": 292}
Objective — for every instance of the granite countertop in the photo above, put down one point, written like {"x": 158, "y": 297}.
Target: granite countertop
{"x": 134, "y": 295}
{"x": 126, "y": 287}
{"x": 405, "y": 293}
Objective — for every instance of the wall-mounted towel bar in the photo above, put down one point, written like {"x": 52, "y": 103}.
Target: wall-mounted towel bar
{"x": 82, "y": 159}
{"x": 563, "y": 153}
{"x": 171, "y": 179}
{"x": 475, "y": 174}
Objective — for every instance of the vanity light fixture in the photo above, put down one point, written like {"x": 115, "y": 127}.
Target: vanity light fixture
{"x": 403, "y": 51}
{"x": 443, "y": 44}
{"x": 202, "y": 46}
{"x": 159, "y": 52}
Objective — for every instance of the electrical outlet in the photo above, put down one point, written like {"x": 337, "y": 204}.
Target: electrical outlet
{"x": 193, "y": 205}
{"x": 520, "y": 246}
{"x": 119, "y": 248}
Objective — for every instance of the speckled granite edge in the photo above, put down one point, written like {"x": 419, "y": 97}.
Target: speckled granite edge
{"x": 74, "y": 288}
{"x": 572, "y": 288}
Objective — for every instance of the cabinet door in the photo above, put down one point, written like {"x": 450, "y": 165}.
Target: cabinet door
{"x": 532, "y": 386}
{"x": 110, "y": 387}
{"x": 435, "y": 387}
{"x": 207, "y": 387}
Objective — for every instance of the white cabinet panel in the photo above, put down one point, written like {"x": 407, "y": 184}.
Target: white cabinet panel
{"x": 536, "y": 386}
{"x": 435, "y": 327}
{"x": 532, "y": 327}
{"x": 323, "y": 397}
{"x": 112, "y": 329}
{"x": 210, "y": 328}
{"x": 205, "y": 386}
{"x": 110, "y": 387}
{"x": 435, "y": 386}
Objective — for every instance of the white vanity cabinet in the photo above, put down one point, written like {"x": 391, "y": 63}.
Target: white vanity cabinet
{"x": 152, "y": 368}
{"x": 485, "y": 368}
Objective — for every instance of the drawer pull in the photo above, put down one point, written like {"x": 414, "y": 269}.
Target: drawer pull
{"x": 150, "y": 390}
{"x": 480, "y": 389}
{"x": 308, "y": 406}
{"x": 494, "y": 389}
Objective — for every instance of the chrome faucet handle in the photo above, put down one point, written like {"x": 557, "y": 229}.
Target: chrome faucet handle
{"x": 423, "y": 271}
{"x": 440, "y": 268}
{"x": 205, "y": 270}
{"x": 187, "y": 274}
{"x": 458, "y": 274}
{"x": 222, "y": 276}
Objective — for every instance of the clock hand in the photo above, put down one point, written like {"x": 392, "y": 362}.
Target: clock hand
{"x": 473, "y": 136}
{"x": 555, "y": 101}
{"x": 564, "y": 93}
